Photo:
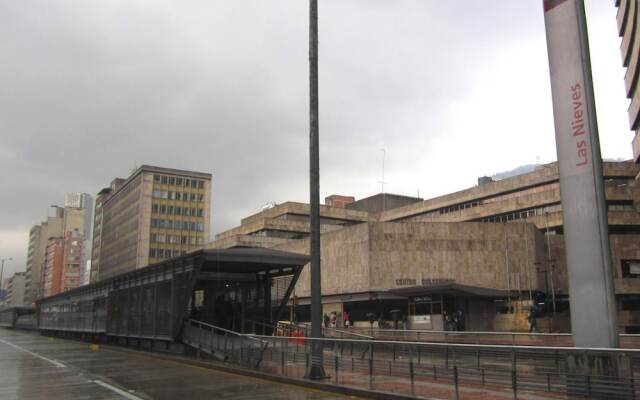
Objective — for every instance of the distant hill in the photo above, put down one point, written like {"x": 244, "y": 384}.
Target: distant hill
{"x": 523, "y": 169}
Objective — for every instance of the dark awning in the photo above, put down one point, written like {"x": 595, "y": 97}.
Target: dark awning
{"x": 251, "y": 260}
{"x": 451, "y": 289}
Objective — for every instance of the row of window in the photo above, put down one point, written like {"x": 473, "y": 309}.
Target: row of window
{"x": 184, "y": 225}
{"x": 171, "y": 195}
{"x": 524, "y": 214}
{"x": 178, "y": 181}
{"x": 547, "y": 209}
{"x": 177, "y": 210}
{"x": 176, "y": 239}
{"x": 165, "y": 253}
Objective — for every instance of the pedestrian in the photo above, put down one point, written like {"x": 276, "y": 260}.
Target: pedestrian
{"x": 533, "y": 319}
{"x": 345, "y": 319}
{"x": 326, "y": 320}
{"x": 447, "y": 322}
{"x": 333, "y": 319}
{"x": 381, "y": 323}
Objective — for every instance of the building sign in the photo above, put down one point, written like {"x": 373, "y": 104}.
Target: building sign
{"x": 593, "y": 317}
{"x": 405, "y": 282}
{"x": 420, "y": 319}
{"x": 424, "y": 281}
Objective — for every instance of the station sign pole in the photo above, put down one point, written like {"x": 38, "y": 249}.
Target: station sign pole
{"x": 584, "y": 211}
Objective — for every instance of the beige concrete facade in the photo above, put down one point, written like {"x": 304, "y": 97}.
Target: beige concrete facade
{"x": 378, "y": 256}
{"x": 459, "y": 239}
{"x": 156, "y": 213}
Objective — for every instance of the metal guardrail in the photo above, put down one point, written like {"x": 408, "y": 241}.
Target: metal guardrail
{"x": 481, "y": 337}
{"x": 422, "y": 369}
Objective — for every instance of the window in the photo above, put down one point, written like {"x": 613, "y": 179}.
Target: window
{"x": 178, "y": 210}
{"x": 200, "y": 197}
{"x": 183, "y": 240}
{"x": 194, "y": 183}
{"x": 630, "y": 268}
{"x": 178, "y": 181}
{"x": 192, "y": 240}
{"x": 171, "y": 195}
{"x": 160, "y": 253}
{"x": 172, "y": 180}
{"x": 178, "y": 196}
{"x": 186, "y": 211}
{"x": 164, "y": 180}
{"x": 155, "y": 208}
{"x": 152, "y": 251}
{"x": 200, "y": 212}
{"x": 163, "y": 209}
{"x": 200, "y": 227}
{"x": 170, "y": 210}
{"x": 192, "y": 197}
{"x": 161, "y": 238}
{"x": 156, "y": 178}
{"x": 201, "y": 184}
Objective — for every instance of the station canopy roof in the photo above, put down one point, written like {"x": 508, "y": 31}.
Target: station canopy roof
{"x": 250, "y": 260}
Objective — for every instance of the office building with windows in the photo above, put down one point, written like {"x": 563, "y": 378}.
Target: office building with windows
{"x": 154, "y": 214}
{"x": 629, "y": 29}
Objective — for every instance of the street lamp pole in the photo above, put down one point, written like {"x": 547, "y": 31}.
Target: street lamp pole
{"x": 2, "y": 268}
{"x": 316, "y": 369}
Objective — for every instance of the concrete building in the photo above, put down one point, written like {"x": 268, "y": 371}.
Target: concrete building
{"x": 155, "y": 214}
{"x": 52, "y": 269}
{"x": 79, "y": 216}
{"x": 473, "y": 251}
{"x": 628, "y": 22}
{"x": 62, "y": 267}
{"x": 38, "y": 239}
{"x": 15, "y": 290}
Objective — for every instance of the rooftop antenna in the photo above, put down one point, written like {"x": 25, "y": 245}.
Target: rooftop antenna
{"x": 382, "y": 182}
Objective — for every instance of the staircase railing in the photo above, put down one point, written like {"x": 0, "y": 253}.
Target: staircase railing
{"x": 224, "y": 344}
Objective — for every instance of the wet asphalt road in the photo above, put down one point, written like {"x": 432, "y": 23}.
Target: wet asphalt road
{"x": 38, "y": 367}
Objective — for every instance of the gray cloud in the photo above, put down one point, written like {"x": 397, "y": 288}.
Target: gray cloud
{"x": 91, "y": 88}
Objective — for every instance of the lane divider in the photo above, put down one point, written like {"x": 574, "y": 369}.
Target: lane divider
{"x": 114, "y": 389}
{"x": 15, "y": 346}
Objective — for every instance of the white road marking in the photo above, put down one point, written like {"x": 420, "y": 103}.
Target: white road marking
{"x": 121, "y": 392}
{"x": 15, "y": 346}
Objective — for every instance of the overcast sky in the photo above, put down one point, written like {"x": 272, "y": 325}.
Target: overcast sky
{"x": 451, "y": 90}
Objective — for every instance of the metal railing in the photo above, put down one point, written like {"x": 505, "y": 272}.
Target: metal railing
{"x": 434, "y": 370}
{"x": 224, "y": 344}
{"x": 482, "y": 337}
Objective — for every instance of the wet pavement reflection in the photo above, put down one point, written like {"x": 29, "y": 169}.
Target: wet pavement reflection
{"x": 38, "y": 367}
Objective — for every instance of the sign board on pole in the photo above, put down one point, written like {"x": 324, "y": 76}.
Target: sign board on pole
{"x": 591, "y": 291}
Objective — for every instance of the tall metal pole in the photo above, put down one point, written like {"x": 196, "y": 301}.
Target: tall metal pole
{"x": 316, "y": 369}
{"x": 584, "y": 210}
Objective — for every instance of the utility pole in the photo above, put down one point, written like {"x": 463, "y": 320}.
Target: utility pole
{"x": 316, "y": 369}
